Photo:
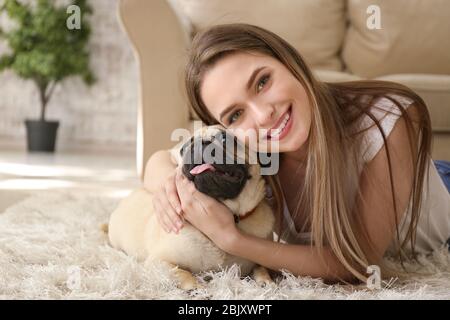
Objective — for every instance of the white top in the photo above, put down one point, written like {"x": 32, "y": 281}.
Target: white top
{"x": 433, "y": 228}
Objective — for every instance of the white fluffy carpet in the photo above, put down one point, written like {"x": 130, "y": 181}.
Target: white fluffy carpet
{"x": 51, "y": 247}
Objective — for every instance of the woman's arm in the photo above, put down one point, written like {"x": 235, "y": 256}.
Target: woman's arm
{"x": 159, "y": 180}
{"x": 158, "y": 168}
{"x": 301, "y": 260}
{"x": 216, "y": 221}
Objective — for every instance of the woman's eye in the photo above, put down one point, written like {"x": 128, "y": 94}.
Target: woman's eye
{"x": 234, "y": 116}
{"x": 262, "y": 82}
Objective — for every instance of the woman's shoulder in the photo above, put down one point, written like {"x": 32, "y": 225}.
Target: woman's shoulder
{"x": 386, "y": 112}
{"x": 386, "y": 105}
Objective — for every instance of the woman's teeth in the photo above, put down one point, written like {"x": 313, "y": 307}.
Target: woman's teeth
{"x": 276, "y": 132}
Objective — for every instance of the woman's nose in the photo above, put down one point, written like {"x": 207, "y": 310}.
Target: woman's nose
{"x": 263, "y": 114}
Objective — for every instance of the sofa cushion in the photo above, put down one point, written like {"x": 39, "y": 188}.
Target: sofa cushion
{"x": 316, "y": 28}
{"x": 334, "y": 76}
{"x": 414, "y": 38}
{"x": 434, "y": 90}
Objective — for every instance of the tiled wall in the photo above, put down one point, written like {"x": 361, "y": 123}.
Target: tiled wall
{"x": 103, "y": 115}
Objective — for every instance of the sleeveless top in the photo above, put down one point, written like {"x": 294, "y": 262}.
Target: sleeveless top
{"x": 433, "y": 227}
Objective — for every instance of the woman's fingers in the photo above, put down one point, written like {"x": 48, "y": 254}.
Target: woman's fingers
{"x": 172, "y": 194}
{"x": 183, "y": 184}
{"x": 181, "y": 189}
{"x": 167, "y": 205}
{"x": 163, "y": 221}
{"x": 175, "y": 219}
{"x": 187, "y": 193}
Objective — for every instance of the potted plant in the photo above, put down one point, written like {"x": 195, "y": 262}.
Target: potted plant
{"x": 44, "y": 50}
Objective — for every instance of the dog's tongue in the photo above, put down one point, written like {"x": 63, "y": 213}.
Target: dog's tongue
{"x": 202, "y": 167}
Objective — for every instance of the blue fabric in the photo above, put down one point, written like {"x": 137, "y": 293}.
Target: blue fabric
{"x": 443, "y": 168}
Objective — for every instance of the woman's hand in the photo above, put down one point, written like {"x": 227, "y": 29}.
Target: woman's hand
{"x": 205, "y": 213}
{"x": 167, "y": 205}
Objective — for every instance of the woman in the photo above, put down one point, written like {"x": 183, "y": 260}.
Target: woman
{"x": 354, "y": 160}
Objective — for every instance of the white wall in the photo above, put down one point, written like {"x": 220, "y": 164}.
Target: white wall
{"x": 103, "y": 115}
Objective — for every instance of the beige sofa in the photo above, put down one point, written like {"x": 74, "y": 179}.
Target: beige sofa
{"x": 332, "y": 35}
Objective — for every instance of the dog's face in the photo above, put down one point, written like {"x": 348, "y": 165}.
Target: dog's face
{"x": 208, "y": 163}
{"x": 218, "y": 165}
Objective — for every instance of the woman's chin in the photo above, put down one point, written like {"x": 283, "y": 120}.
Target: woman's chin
{"x": 294, "y": 142}
{"x": 277, "y": 147}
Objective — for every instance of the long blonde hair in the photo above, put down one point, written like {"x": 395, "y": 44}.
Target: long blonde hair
{"x": 332, "y": 156}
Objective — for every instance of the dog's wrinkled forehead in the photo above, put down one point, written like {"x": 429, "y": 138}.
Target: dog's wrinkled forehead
{"x": 221, "y": 138}
{"x": 205, "y": 134}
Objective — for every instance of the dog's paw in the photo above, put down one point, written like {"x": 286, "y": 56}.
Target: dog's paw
{"x": 262, "y": 276}
{"x": 190, "y": 285}
{"x": 264, "y": 282}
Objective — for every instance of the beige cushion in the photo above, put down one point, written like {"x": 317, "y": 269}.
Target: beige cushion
{"x": 334, "y": 76}
{"x": 314, "y": 27}
{"x": 434, "y": 90}
{"x": 414, "y": 38}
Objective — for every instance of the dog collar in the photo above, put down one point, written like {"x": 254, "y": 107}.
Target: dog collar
{"x": 238, "y": 218}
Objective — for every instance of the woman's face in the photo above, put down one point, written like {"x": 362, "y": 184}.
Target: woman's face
{"x": 257, "y": 92}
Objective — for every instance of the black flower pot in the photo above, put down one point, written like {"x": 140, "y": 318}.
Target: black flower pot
{"x": 41, "y": 135}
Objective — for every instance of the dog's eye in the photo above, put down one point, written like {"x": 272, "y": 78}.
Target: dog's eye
{"x": 217, "y": 137}
{"x": 223, "y": 136}
{"x": 182, "y": 149}
{"x": 184, "y": 146}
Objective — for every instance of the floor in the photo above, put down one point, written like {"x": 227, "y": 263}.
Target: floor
{"x": 105, "y": 273}
{"x": 112, "y": 173}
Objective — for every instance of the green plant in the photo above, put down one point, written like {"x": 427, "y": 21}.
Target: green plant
{"x": 43, "y": 48}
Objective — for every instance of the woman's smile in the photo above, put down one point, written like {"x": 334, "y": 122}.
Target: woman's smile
{"x": 282, "y": 127}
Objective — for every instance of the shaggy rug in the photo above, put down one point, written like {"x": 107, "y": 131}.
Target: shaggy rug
{"x": 52, "y": 247}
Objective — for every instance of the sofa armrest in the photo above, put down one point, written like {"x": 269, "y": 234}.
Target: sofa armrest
{"x": 159, "y": 43}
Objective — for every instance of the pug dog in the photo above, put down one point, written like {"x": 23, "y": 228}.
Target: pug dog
{"x": 133, "y": 227}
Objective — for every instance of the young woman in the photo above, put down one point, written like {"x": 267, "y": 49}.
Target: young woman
{"x": 356, "y": 180}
